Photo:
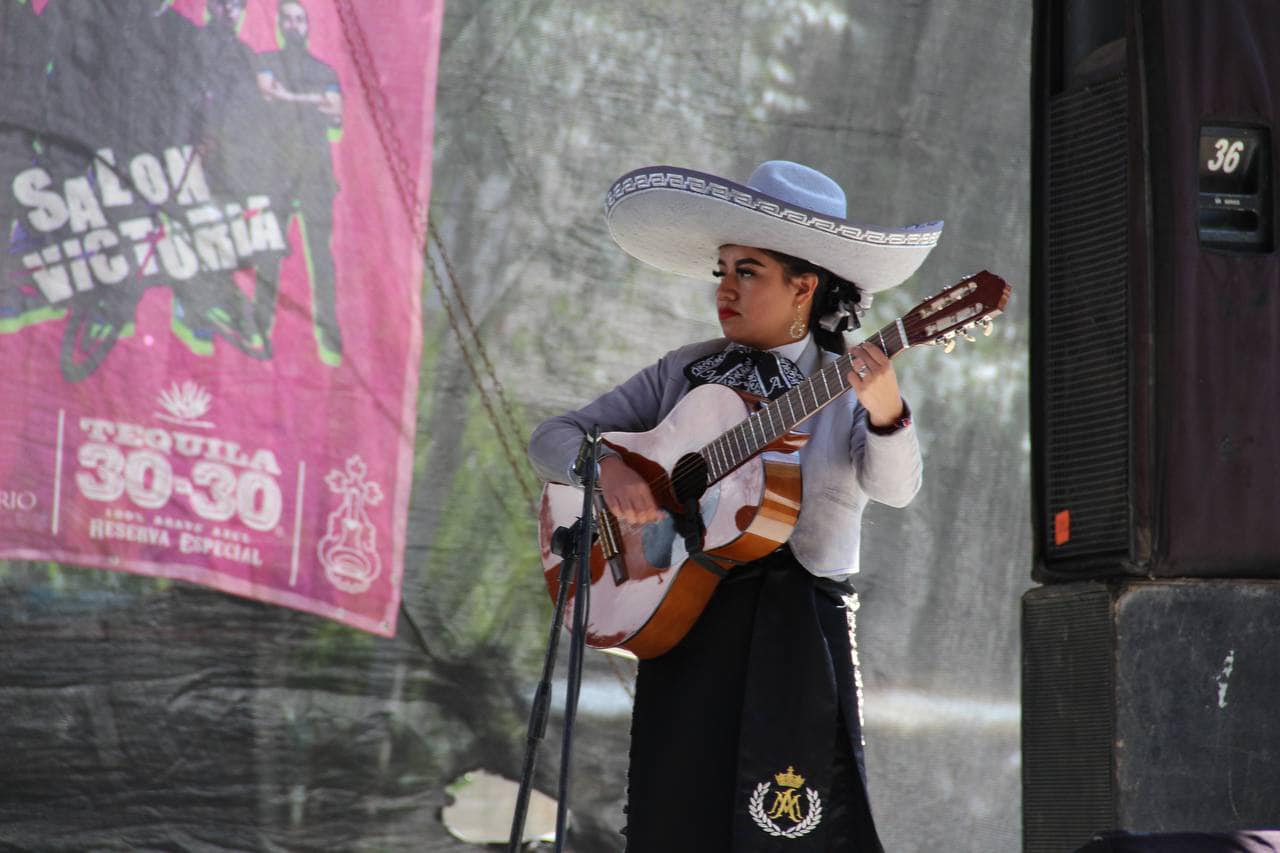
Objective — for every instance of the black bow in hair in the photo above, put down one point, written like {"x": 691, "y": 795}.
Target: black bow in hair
{"x": 840, "y": 307}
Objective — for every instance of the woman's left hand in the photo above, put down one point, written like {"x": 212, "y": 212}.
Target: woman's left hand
{"x": 876, "y": 385}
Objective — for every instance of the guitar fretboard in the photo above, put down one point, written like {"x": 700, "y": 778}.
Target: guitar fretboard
{"x": 774, "y": 420}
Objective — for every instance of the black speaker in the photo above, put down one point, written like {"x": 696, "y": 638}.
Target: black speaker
{"x": 1156, "y": 289}
{"x": 1149, "y": 707}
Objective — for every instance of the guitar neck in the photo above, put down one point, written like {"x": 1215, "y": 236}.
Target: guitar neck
{"x": 774, "y": 420}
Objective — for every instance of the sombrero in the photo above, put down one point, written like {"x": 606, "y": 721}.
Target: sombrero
{"x": 676, "y": 219}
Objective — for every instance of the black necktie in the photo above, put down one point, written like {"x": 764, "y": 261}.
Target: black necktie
{"x": 760, "y": 373}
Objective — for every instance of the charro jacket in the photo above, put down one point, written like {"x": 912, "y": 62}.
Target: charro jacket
{"x": 843, "y": 466}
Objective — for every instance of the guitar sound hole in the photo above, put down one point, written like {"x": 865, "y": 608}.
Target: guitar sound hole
{"x": 689, "y": 478}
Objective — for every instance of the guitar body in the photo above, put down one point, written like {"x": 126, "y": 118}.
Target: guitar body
{"x": 647, "y": 596}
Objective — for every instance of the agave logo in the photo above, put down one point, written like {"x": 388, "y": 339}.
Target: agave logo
{"x": 185, "y": 404}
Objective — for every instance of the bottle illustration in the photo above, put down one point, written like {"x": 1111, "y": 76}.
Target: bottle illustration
{"x": 348, "y": 550}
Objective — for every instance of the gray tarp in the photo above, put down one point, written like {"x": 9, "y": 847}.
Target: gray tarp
{"x": 142, "y": 714}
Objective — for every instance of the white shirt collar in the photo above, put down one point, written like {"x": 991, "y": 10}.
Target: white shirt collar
{"x": 794, "y": 350}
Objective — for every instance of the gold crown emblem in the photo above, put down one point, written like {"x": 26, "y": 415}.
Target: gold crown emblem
{"x": 790, "y": 779}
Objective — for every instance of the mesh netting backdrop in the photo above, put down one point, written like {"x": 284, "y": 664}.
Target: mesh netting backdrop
{"x": 142, "y": 712}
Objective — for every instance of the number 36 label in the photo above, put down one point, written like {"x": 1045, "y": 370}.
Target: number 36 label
{"x": 1226, "y": 155}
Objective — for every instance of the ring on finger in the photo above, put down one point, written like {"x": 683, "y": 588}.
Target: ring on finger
{"x": 862, "y": 371}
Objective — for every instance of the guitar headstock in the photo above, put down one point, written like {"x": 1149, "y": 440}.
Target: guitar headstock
{"x": 973, "y": 301}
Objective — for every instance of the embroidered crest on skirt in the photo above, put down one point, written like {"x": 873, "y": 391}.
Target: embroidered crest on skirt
{"x": 793, "y": 817}
{"x": 743, "y": 368}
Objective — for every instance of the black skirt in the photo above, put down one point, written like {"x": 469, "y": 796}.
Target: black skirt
{"x": 746, "y": 735}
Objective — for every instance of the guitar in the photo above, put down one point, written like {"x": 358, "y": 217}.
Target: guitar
{"x": 646, "y": 591}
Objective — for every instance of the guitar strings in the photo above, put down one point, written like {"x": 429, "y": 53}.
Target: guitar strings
{"x": 684, "y": 472}
{"x": 837, "y": 370}
{"x": 912, "y": 323}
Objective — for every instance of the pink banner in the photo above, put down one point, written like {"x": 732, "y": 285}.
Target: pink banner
{"x": 209, "y": 303}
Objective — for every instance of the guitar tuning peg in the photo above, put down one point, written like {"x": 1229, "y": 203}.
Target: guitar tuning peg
{"x": 968, "y": 337}
{"x": 949, "y": 345}
{"x": 988, "y": 326}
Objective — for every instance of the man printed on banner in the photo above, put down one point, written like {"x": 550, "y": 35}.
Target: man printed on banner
{"x": 305, "y": 93}
{"x": 241, "y": 158}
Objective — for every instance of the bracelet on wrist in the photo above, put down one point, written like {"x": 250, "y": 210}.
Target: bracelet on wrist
{"x": 901, "y": 422}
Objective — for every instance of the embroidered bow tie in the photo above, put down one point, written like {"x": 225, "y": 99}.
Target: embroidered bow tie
{"x": 756, "y": 372}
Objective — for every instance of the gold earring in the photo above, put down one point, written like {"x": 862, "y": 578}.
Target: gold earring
{"x": 798, "y": 327}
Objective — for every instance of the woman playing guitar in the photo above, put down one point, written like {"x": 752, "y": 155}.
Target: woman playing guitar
{"x": 746, "y": 733}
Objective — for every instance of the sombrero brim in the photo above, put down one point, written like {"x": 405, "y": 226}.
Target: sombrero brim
{"x": 676, "y": 219}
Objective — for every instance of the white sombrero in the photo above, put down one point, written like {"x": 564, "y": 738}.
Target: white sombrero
{"x": 676, "y": 219}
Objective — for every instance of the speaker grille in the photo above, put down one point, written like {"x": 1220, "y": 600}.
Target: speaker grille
{"x": 1068, "y": 716}
{"x": 1087, "y": 443}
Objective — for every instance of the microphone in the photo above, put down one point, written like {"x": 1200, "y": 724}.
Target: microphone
{"x": 586, "y": 456}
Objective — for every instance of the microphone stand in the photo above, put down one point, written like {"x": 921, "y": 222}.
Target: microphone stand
{"x": 573, "y": 545}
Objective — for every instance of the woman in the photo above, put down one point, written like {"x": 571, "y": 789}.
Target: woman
{"x": 746, "y": 735}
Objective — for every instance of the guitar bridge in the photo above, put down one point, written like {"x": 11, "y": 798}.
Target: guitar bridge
{"x": 610, "y": 540}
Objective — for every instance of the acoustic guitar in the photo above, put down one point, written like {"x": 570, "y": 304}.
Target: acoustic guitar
{"x": 710, "y": 452}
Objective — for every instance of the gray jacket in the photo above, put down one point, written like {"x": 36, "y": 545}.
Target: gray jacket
{"x": 843, "y": 465}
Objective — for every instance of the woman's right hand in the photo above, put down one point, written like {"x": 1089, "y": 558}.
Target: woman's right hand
{"x": 626, "y": 493}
